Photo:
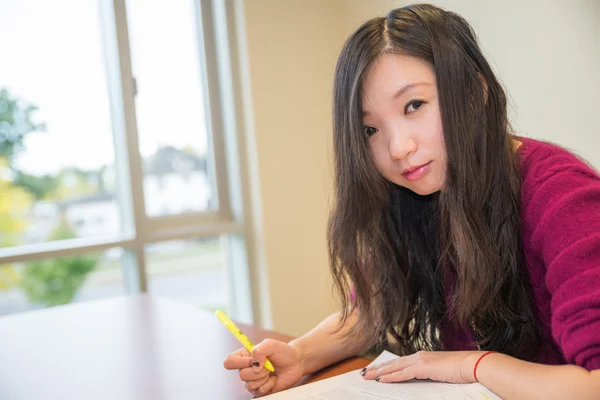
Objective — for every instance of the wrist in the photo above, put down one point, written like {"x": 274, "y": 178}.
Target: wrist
{"x": 468, "y": 367}
{"x": 474, "y": 360}
{"x": 296, "y": 344}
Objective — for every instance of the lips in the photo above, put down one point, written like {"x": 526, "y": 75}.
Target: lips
{"x": 416, "y": 173}
{"x": 413, "y": 169}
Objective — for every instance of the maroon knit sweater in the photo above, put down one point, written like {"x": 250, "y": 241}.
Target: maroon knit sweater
{"x": 560, "y": 225}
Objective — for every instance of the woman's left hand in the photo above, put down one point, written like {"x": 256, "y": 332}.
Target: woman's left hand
{"x": 442, "y": 366}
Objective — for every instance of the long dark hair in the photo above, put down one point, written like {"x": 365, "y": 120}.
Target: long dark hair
{"x": 402, "y": 254}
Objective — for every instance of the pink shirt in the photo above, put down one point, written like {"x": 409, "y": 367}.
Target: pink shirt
{"x": 560, "y": 212}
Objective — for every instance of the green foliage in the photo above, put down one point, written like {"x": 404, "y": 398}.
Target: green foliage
{"x": 57, "y": 281}
{"x": 14, "y": 203}
{"x": 15, "y": 123}
{"x": 39, "y": 187}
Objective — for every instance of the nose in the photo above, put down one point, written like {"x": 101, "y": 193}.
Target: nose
{"x": 401, "y": 145}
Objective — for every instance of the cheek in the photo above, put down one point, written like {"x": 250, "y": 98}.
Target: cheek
{"x": 381, "y": 157}
{"x": 436, "y": 144}
{"x": 432, "y": 142}
{"x": 434, "y": 134}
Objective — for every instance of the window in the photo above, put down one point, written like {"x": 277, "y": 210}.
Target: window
{"x": 191, "y": 270}
{"x": 118, "y": 173}
{"x": 172, "y": 121}
{"x": 56, "y": 122}
{"x": 47, "y": 282}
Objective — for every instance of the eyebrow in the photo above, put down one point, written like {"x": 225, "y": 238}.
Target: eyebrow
{"x": 401, "y": 91}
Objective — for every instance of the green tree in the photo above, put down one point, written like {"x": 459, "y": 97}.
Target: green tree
{"x": 57, "y": 281}
{"x": 16, "y": 122}
{"x": 40, "y": 187}
{"x": 14, "y": 202}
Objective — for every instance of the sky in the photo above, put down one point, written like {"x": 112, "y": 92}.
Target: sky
{"x": 51, "y": 54}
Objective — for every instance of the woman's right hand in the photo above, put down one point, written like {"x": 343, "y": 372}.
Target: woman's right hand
{"x": 259, "y": 381}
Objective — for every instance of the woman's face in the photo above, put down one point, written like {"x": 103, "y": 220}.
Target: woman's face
{"x": 401, "y": 118}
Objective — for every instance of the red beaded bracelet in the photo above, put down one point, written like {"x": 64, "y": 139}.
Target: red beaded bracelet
{"x": 477, "y": 363}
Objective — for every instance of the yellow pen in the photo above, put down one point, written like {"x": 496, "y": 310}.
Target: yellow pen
{"x": 243, "y": 339}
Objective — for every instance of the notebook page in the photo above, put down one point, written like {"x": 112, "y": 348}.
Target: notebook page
{"x": 351, "y": 386}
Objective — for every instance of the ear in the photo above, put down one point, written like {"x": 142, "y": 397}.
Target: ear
{"x": 484, "y": 86}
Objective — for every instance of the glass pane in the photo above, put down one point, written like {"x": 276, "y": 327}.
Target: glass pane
{"x": 49, "y": 282}
{"x": 170, "y": 106}
{"x": 192, "y": 271}
{"x": 56, "y": 143}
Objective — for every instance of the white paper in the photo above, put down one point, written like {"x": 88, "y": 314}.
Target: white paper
{"x": 352, "y": 386}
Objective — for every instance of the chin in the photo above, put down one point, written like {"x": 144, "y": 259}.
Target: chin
{"x": 423, "y": 188}
{"x": 424, "y": 191}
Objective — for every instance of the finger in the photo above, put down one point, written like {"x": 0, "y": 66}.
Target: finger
{"x": 402, "y": 375}
{"x": 252, "y": 392}
{"x": 385, "y": 364}
{"x": 268, "y": 387}
{"x": 255, "y": 384}
{"x": 238, "y": 359}
{"x": 241, "y": 352}
{"x": 260, "y": 352}
{"x": 386, "y": 368}
{"x": 248, "y": 374}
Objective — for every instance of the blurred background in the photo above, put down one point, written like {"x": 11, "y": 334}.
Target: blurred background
{"x": 183, "y": 148}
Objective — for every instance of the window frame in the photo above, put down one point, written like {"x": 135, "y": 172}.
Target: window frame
{"x": 224, "y": 157}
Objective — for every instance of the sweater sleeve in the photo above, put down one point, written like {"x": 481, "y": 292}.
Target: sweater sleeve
{"x": 563, "y": 213}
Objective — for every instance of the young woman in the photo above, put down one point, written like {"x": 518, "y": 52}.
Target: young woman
{"x": 451, "y": 237}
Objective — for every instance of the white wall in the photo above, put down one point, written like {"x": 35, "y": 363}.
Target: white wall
{"x": 544, "y": 51}
{"x": 547, "y": 55}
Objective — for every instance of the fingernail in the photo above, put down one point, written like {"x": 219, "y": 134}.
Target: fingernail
{"x": 256, "y": 364}
{"x": 378, "y": 378}
{"x": 363, "y": 371}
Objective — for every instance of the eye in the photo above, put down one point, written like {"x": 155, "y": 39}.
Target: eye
{"x": 370, "y": 130}
{"x": 413, "y": 106}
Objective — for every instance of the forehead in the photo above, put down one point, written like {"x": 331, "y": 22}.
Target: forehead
{"x": 391, "y": 72}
